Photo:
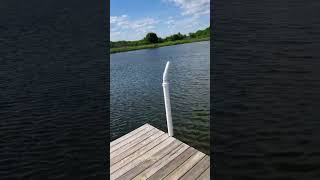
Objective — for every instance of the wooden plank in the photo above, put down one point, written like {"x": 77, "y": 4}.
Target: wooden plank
{"x": 205, "y": 175}
{"x": 186, "y": 166}
{"x": 128, "y": 135}
{"x": 168, "y": 168}
{"x": 197, "y": 170}
{"x": 137, "y": 153}
{"x": 162, "y": 162}
{"x": 149, "y": 153}
{"x": 138, "y": 160}
{"x": 133, "y": 143}
{"x": 131, "y": 138}
{"x": 129, "y": 149}
{"x": 172, "y": 147}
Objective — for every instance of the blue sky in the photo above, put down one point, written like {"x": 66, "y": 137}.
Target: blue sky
{"x": 133, "y": 19}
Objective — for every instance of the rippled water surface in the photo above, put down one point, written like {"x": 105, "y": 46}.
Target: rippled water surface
{"x": 53, "y": 90}
{"x": 266, "y": 100}
{"x": 137, "y": 97}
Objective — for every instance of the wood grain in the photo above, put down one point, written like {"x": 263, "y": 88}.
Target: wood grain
{"x": 149, "y": 153}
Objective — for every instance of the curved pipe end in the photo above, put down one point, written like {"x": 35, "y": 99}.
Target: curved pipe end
{"x": 165, "y": 73}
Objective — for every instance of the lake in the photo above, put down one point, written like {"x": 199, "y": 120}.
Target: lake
{"x": 136, "y": 95}
{"x": 53, "y": 90}
{"x": 266, "y": 89}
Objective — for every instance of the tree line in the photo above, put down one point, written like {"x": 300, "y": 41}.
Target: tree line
{"x": 152, "y": 38}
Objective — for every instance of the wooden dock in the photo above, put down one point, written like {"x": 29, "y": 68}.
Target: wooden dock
{"x": 149, "y": 153}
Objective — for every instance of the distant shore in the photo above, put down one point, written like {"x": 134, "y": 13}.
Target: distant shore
{"x": 148, "y": 46}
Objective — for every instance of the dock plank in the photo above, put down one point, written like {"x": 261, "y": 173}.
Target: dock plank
{"x": 133, "y": 142}
{"x": 197, "y": 170}
{"x": 131, "y": 138}
{"x": 138, "y": 153}
{"x": 126, "y": 151}
{"x": 149, "y": 153}
{"x": 186, "y": 166}
{"x": 168, "y": 168}
{"x": 172, "y": 147}
{"x": 128, "y": 135}
{"x": 141, "y": 158}
{"x": 162, "y": 162}
{"x": 205, "y": 175}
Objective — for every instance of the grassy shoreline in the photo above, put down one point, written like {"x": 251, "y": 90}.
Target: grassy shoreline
{"x": 149, "y": 46}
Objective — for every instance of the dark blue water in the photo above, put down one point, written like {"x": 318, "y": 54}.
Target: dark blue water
{"x": 53, "y": 90}
{"x": 266, "y": 89}
{"x": 136, "y": 95}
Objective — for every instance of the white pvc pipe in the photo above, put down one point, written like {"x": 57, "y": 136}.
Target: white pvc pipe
{"x": 165, "y": 85}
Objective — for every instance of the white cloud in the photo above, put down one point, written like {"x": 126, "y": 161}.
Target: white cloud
{"x": 124, "y": 24}
{"x": 170, "y": 22}
{"x": 143, "y": 24}
{"x": 115, "y": 19}
{"x": 193, "y": 7}
{"x": 115, "y": 33}
{"x": 194, "y": 16}
{"x": 185, "y": 25}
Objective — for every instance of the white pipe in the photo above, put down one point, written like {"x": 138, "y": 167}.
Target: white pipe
{"x": 165, "y": 85}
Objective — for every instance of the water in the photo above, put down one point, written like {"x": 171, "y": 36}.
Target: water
{"x": 136, "y": 95}
{"x": 53, "y": 114}
{"x": 266, "y": 89}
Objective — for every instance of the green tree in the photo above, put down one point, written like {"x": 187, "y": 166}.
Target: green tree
{"x": 152, "y": 37}
{"x": 175, "y": 37}
{"x": 192, "y": 35}
{"x": 160, "y": 40}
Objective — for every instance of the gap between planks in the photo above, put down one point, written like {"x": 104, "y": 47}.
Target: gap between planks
{"x": 149, "y": 153}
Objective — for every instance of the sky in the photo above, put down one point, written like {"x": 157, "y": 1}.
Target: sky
{"x": 133, "y": 19}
